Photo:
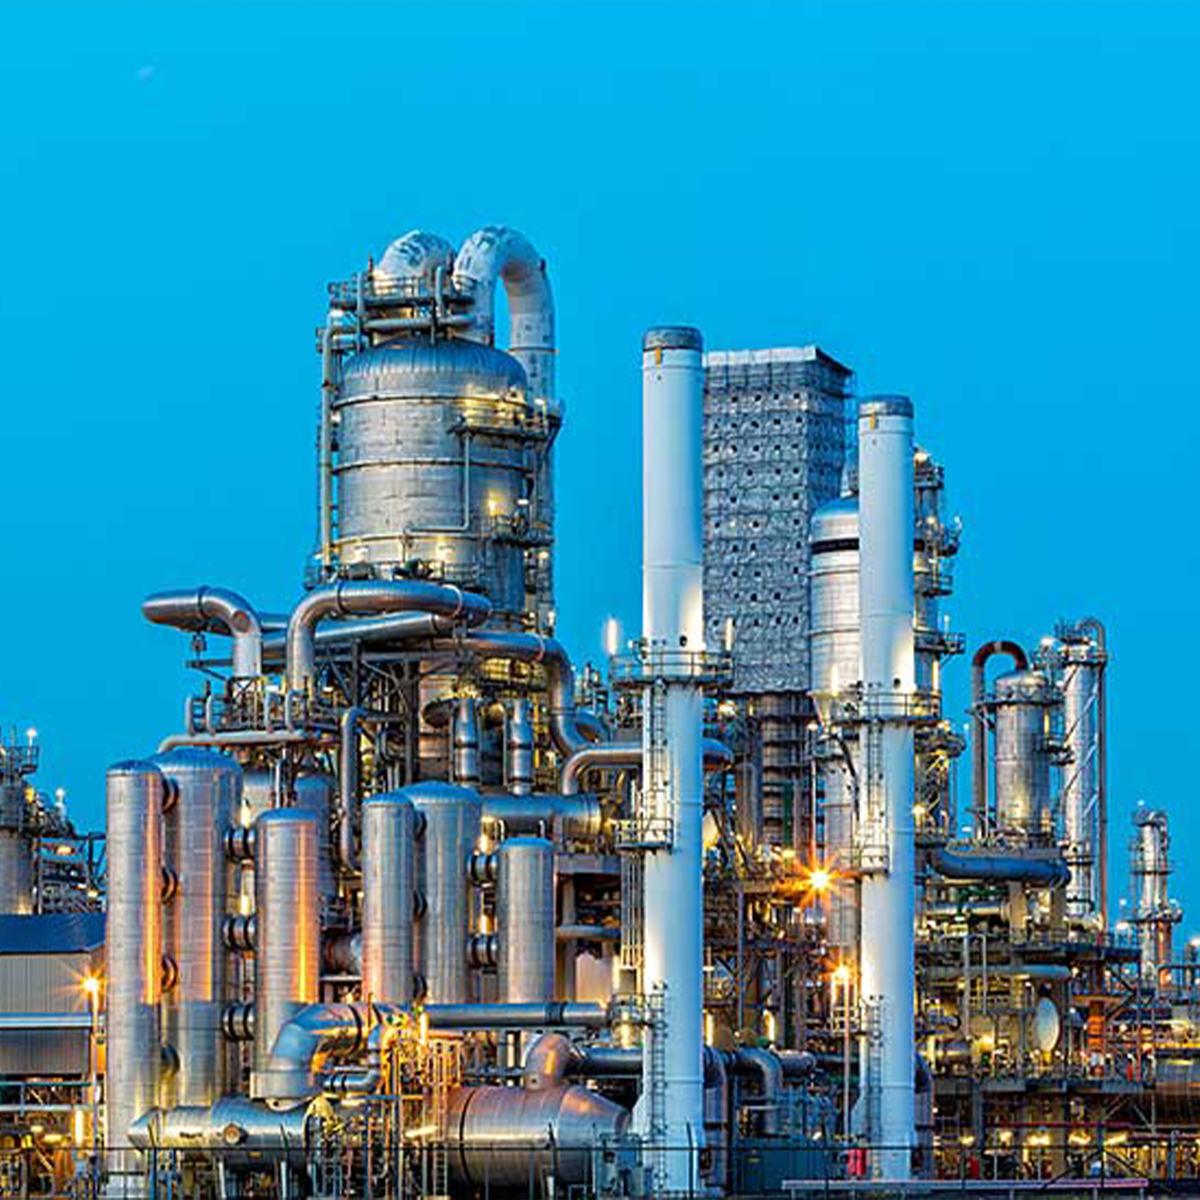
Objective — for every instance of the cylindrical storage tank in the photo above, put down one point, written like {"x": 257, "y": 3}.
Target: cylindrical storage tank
{"x": 16, "y": 853}
{"x": 287, "y": 951}
{"x": 453, "y": 816}
{"x": 1022, "y": 701}
{"x": 258, "y": 797}
{"x": 500, "y": 1137}
{"x": 207, "y": 805}
{"x": 134, "y": 952}
{"x": 433, "y": 442}
{"x": 388, "y": 889}
{"x": 525, "y": 922}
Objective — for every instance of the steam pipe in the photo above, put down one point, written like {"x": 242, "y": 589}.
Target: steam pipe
{"x": 415, "y": 256}
{"x": 717, "y": 757}
{"x": 213, "y": 610}
{"x": 519, "y": 743}
{"x": 1007, "y": 868}
{"x": 361, "y": 599}
{"x": 979, "y": 771}
{"x": 404, "y": 627}
{"x": 764, "y": 1066}
{"x": 497, "y": 253}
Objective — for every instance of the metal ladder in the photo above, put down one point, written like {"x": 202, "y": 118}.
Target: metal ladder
{"x": 656, "y": 1028}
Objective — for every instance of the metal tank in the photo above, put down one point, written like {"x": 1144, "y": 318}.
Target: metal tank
{"x": 287, "y": 949}
{"x": 1021, "y": 701}
{"x": 434, "y": 464}
{"x": 136, "y": 792}
{"x": 208, "y": 787}
{"x": 388, "y": 898}
{"x": 1155, "y": 915}
{"x": 834, "y": 658}
{"x": 525, "y": 920}
{"x": 453, "y": 817}
{"x": 500, "y": 1137}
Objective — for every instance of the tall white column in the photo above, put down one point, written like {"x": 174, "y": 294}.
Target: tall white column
{"x": 672, "y": 774}
{"x": 885, "y": 466}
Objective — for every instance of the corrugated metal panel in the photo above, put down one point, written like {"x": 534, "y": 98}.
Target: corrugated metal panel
{"x": 44, "y": 1052}
{"x": 43, "y": 983}
{"x": 51, "y": 933}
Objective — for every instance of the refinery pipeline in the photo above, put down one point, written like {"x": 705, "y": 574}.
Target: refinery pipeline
{"x": 410, "y": 905}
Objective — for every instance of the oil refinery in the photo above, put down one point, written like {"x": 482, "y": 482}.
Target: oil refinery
{"x": 411, "y": 905}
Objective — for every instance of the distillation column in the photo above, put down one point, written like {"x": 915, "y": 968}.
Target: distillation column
{"x": 885, "y": 456}
{"x": 672, "y": 722}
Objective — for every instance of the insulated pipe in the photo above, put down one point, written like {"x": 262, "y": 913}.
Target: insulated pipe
{"x": 387, "y": 903}
{"x": 885, "y": 472}
{"x": 525, "y": 920}
{"x": 549, "y": 1060}
{"x": 362, "y": 599}
{"x": 1005, "y": 868}
{"x": 415, "y": 257}
{"x": 134, "y": 950}
{"x": 766, "y": 1068}
{"x": 497, "y": 253}
{"x": 717, "y": 757}
{"x": 348, "y": 806}
{"x": 404, "y": 627}
{"x": 213, "y": 610}
{"x": 453, "y": 817}
{"x": 209, "y": 787}
{"x": 287, "y": 959}
{"x": 979, "y": 740}
{"x": 566, "y": 818}
{"x": 545, "y": 652}
{"x": 672, "y": 771}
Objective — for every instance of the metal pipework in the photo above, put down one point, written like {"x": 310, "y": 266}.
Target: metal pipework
{"x": 979, "y": 738}
{"x": 362, "y": 599}
{"x": 209, "y": 787}
{"x": 387, "y": 904}
{"x": 134, "y": 949}
{"x": 464, "y": 734}
{"x": 1004, "y": 868}
{"x": 213, "y": 610}
{"x": 403, "y": 627}
{"x": 525, "y": 920}
{"x": 561, "y": 818}
{"x": 886, "y": 594}
{"x": 287, "y": 958}
{"x": 766, "y": 1068}
{"x": 453, "y": 817}
{"x": 497, "y": 253}
{"x": 243, "y": 1134}
{"x": 348, "y": 806}
{"x": 415, "y": 256}
{"x": 717, "y": 757}
{"x": 673, "y": 769}
{"x": 519, "y": 745}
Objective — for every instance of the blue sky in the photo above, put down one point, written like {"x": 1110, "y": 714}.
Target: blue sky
{"x": 990, "y": 207}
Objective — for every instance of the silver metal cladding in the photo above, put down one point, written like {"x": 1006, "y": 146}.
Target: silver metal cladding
{"x": 389, "y": 884}
{"x": 136, "y": 791}
{"x": 525, "y": 920}
{"x": 287, "y": 938}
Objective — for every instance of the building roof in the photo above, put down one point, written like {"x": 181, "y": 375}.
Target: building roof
{"x": 777, "y": 354}
{"x": 51, "y": 933}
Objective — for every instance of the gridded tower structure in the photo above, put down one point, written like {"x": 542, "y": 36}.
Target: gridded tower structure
{"x": 774, "y": 449}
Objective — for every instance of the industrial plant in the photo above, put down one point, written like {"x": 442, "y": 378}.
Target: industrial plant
{"x": 410, "y": 904}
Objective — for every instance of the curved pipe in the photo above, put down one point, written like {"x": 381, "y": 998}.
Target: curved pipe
{"x": 550, "y": 1059}
{"x": 213, "y": 610}
{"x": 717, "y": 757}
{"x": 363, "y": 599}
{"x": 1007, "y": 868}
{"x": 498, "y": 253}
{"x": 416, "y": 255}
{"x": 768, "y": 1070}
{"x": 979, "y": 771}
{"x": 405, "y": 627}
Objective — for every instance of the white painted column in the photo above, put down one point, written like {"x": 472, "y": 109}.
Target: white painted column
{"x": 672, "y": 775}
{"x": 885, "y": 465}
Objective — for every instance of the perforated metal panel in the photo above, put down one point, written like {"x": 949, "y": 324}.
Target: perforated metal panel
{"x": 774, "y": 446}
